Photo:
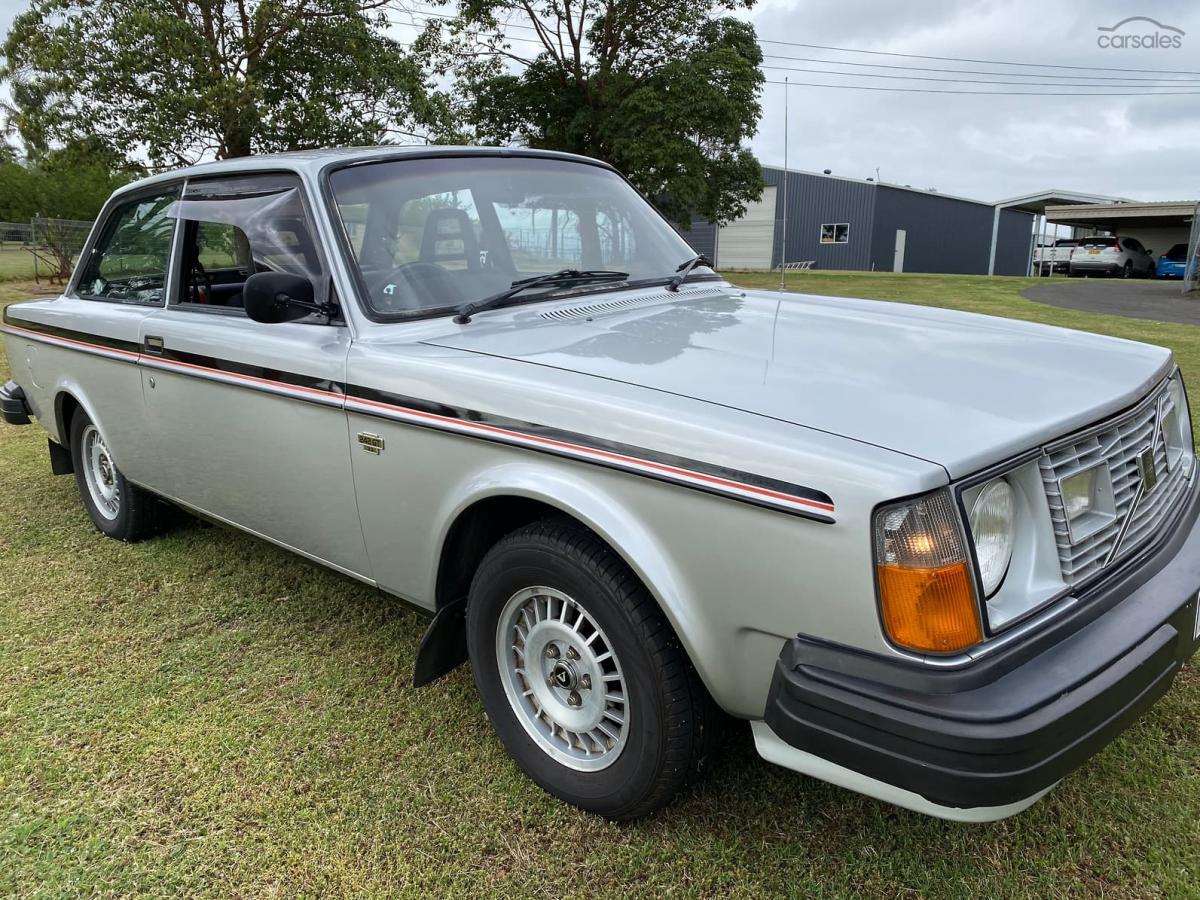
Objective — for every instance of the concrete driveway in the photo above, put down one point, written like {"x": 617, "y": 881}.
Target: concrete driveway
{"x": 1159, "y": 301}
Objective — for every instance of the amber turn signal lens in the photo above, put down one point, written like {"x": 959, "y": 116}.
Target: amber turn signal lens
{"x": 929, "y": 609}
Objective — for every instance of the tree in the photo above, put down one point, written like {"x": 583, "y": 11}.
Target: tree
{"x": 69, "y": 183}
{"x": 181, "y": 80}
{"x": 658, "y": 88}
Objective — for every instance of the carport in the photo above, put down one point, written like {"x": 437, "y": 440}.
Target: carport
{"x": 1159, "y": 226}
{"x": 1038, "y": 204}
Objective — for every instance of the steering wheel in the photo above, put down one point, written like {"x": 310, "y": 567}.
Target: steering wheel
{"x": 200, "y": 274}
{"x": 421, "y": 278}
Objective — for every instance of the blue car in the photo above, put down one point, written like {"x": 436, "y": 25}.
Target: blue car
{"x": 1172, "y": 263}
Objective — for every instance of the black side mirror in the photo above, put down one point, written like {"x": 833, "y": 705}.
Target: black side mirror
{"x": 272, "y": 297}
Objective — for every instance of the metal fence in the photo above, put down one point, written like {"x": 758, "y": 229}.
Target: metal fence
{"x": 19, "y": 233}
{"x": 53, "y": 244}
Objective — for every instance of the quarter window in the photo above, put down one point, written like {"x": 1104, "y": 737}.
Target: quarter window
{"x": 838, "y": 233}
{"x": 129, "y": 261}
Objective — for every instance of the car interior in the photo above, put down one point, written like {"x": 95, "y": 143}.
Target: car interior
{"x": 427, "y": 235}
{"x": 236, "y": 227}
{"x": 218, "y": 258}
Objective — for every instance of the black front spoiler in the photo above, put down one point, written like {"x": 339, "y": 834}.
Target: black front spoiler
{"x": 1001, "y": 730}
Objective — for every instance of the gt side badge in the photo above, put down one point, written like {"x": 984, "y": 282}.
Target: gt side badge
{"x": 372, "y": 443}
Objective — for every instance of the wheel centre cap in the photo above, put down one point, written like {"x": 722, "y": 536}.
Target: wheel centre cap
{"x": 564, "y": 675}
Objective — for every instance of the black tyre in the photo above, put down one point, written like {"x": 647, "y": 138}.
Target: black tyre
{"x": 581, "y": 675}
{"x": 1127, "y": 270}
{"x": 117, "y": 508}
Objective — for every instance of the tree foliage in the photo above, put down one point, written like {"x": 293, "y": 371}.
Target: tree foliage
{"x": 68, "y": 183}
{"x": 659, "y": 88}
{"x": 179, "y": 80}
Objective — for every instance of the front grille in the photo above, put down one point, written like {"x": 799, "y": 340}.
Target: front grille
{"x": 1119, "y": 442}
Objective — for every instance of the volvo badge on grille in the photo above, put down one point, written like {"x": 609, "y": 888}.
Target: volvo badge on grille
{"x": 1145, "y": 467}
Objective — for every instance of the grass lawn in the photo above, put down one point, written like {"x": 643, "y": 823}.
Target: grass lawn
{"x": 205, "y": 714}
{"x": 15, "y": 263}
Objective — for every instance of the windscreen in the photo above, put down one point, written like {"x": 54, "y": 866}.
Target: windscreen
{"x": 1098, "y": 242}
{"x": 431, "y": 234}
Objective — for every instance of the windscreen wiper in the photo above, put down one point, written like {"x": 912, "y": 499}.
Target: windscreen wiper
{"x": 685, "y": 269}
{"x": 562, "y": 276}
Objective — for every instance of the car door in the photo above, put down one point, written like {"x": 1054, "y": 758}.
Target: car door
{"x": 248, "y": 417}
{"x": 85, "y": 343}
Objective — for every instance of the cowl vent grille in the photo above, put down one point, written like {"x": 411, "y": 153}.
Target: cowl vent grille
{"x": 590, "y": 310}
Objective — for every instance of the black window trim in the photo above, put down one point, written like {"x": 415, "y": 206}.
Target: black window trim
{"x": 346, "y": 250}
{"x": 115, "y": 202}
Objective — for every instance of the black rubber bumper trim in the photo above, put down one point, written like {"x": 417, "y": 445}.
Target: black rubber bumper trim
{"x": 13, "y": 407}
{"x": 968, "y": 742}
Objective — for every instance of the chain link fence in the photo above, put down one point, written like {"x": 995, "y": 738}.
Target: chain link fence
{"x": 43, "y": 248}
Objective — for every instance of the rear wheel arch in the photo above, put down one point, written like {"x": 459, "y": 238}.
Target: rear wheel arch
{"x": 65, "y": 407}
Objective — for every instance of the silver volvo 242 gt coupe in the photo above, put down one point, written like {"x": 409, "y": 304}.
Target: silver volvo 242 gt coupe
{"x": 937, "y": 558}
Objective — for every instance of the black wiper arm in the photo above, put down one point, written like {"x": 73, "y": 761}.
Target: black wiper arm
{"x": 467, "y": 310}
{"x": 685, "y": 269}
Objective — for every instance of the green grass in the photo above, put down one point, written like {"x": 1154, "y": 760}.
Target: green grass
{"x": 205, "y": 714}
{"x": 15, "y": 263}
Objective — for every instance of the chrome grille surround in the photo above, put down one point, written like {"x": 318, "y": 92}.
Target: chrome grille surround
{"x": 1118, "y": 441}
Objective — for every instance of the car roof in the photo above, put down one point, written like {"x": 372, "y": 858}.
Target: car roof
{"x": 311, "y": 162}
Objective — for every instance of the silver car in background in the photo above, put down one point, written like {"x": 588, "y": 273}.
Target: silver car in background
{"x": 1122, "y": 256}
{"x": 938, "y": 558}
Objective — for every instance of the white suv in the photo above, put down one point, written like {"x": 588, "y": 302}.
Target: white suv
{"x": 1124, "y": 256}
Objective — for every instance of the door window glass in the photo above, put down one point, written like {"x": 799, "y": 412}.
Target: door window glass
{"x": 130, "y": 259}
{"x": 238, "y": 226}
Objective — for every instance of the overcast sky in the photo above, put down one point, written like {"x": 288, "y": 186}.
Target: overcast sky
{"x": 981, "y": 147}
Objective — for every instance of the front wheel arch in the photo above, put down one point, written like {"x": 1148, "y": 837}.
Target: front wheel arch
{"x": 517, "y": 496}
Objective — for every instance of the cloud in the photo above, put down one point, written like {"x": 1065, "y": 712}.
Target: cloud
{"x": 984, "y": 147}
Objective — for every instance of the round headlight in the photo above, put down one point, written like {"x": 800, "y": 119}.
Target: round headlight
{"x": 992, "y": 531}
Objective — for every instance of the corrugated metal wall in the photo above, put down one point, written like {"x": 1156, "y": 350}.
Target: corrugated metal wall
{"x": 945, "y": 234}
{"x": 1013, "y": 244}
{"x": 814, "y": 200}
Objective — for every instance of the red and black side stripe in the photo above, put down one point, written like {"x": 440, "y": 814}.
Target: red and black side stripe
{"x": 720, "y": 480}
{"x": 750, "y": 488}
{"x": 177, "y": 358}
{"x": 75, "y": 340}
